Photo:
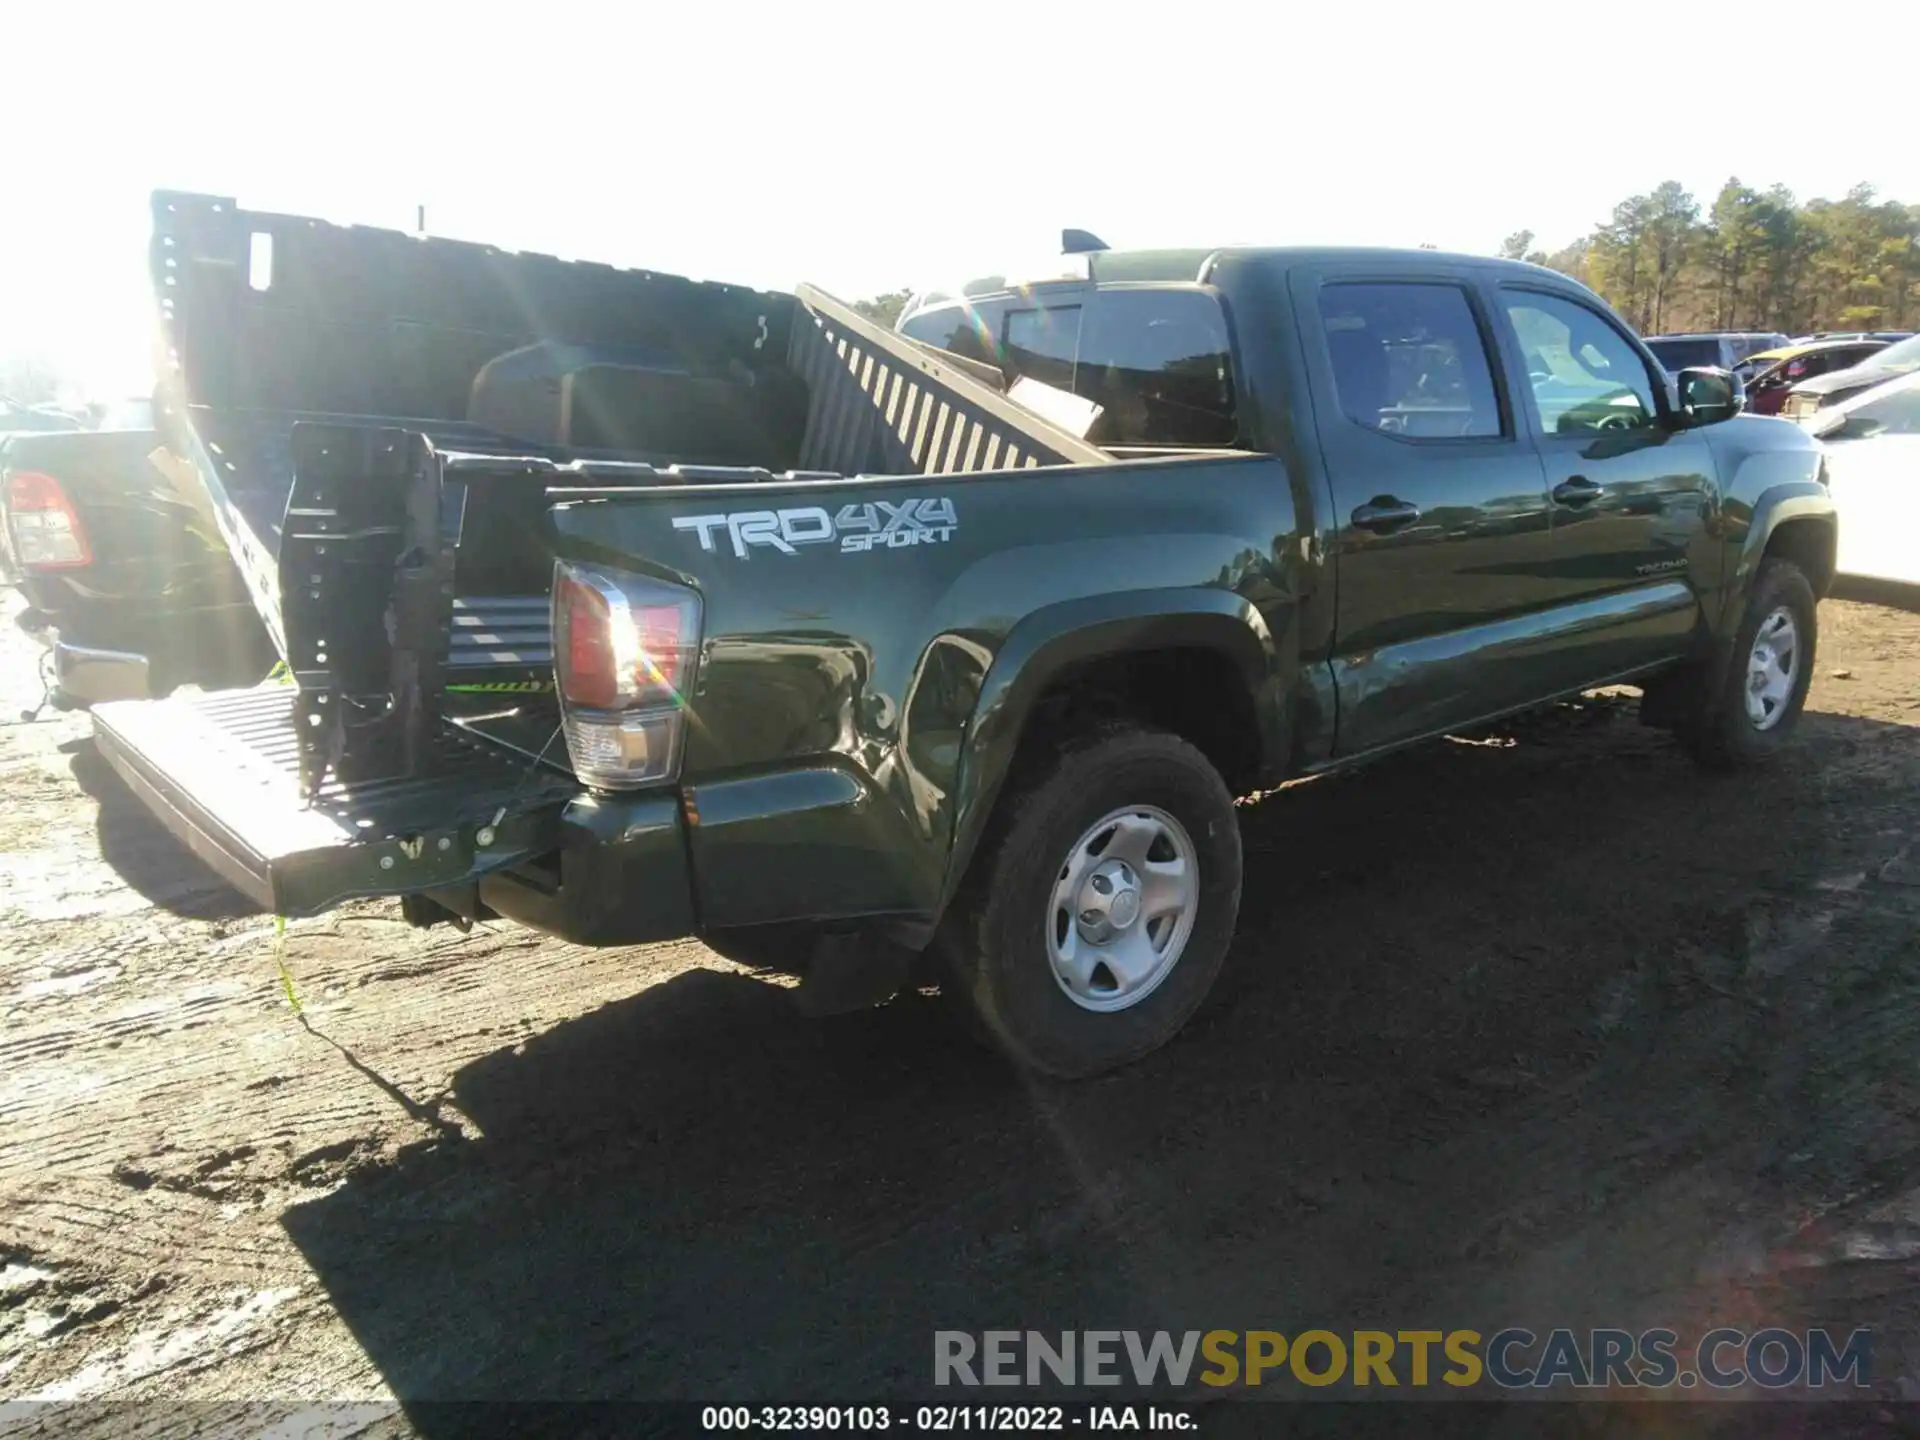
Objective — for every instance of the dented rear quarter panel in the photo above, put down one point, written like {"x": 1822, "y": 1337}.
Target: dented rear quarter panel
{"x": 876, "y": 696}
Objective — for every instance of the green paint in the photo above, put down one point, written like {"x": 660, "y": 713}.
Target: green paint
{"x": 911, "y": 673}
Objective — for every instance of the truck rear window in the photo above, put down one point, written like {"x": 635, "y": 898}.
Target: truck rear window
{"x": 1158, "y": 363}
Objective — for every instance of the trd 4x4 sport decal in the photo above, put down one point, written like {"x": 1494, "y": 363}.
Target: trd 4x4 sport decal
{"x": 879, "y": 525}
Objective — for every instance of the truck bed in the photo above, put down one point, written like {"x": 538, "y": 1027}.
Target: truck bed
{"x": 380, "y": 423}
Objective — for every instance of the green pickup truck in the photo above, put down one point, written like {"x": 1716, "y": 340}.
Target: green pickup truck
{"x": 631, "y": 608}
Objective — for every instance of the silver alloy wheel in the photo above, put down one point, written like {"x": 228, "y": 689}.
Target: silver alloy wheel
{"x": 1773, "y": 665}
{"x": 1123, "y": 906}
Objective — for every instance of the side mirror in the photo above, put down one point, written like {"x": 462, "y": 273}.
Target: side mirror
{"x": 1705, "y": 396}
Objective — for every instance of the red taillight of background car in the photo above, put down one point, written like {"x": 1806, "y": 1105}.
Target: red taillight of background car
{"x": 47, "y": 534}
{"x": 623, "y": 647}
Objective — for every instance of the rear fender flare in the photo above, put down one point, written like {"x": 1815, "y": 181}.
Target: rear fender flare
{"x": 1046, "y": 644}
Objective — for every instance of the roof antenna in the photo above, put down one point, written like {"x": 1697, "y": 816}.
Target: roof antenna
{"x": 1080, "y": 242}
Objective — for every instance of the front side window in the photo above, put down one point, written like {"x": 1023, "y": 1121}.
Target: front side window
{"x": 1770, "y": 376}
{"x": 1584, "y": 375}
{"x": 1408, "y": 359}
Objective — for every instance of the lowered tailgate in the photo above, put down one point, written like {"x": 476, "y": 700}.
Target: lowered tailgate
{"x": 221, "y": 771}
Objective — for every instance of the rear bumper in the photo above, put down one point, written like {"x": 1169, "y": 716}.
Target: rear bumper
{"x": 125, "y": 651}
{"x": 85, "y": 676}
{"x": 483, "y": 833}
{"x": 619, "y": 876}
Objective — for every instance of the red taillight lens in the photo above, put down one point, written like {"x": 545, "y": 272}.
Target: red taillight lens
{"x": 47, "y": 534}
{"x": 586, "y": 645}
{"x": 657, "y": 666}
{"x": 616, "y": 650}
{"x": 624, "y": 649}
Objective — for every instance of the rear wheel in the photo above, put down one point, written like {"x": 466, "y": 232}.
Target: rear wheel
{"x": 1100, "y": 917}
{"x": 1762, "y": 683}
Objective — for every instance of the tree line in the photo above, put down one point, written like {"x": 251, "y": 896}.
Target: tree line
{"x": 1752, "y": 260}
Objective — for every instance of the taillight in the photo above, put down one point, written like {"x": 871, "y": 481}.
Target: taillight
{"x": 624, "y": 648}
{"x": 585, "y": 660}
{"x": 47, "y": 535}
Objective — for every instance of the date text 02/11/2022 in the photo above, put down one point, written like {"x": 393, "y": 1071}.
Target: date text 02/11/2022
{"x": 946, "y": 1419}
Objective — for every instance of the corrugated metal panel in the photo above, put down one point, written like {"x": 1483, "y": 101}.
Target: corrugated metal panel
{"x": 500, "y": 630}
{"x": 881, "y": 405}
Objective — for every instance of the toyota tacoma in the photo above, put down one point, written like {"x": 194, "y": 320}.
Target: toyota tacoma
{"x": 633, "y": 608}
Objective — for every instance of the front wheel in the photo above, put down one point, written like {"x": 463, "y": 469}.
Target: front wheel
{"x": 1099, "y": 919}
{"x": 1762, "y": 684}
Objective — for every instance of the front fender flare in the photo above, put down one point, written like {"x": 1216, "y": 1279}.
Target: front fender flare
{"x": 1772, "y": 508}
{"x": 1051, "y": 641}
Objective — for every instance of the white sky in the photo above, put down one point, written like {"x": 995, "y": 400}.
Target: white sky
{"x": 868, "y": 146}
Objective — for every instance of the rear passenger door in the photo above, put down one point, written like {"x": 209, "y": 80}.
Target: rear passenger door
{"x": 1630, "y": 496}
{"x": 1439, "y": 502}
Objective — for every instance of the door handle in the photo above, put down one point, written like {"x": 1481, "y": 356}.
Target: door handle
{"x": 1576, "y": 490}
{"x": 1383, "y": 512}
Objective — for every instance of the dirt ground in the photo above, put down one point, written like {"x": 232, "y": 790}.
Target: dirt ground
{"x": 1541, "y": 1028}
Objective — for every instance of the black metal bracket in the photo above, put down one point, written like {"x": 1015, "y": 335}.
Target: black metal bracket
{"x": 366, "y": 587}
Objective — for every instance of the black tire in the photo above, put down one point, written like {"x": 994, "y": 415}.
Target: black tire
{"x": 1717, "y": 730}
{"x": 994, "y": 945}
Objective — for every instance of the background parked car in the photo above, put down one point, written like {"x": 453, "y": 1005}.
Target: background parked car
{"x": 114, "y": 553}
{"x": 1887, "y": 335}
{"x": 1873, "y": 467}
{"x": 1771, "y": 375}
{"x": 1722, "y": 349}
{"x": 1809, "y": 397}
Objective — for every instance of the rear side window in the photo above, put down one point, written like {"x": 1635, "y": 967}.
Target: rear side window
{"x": 1409, "y": 359}
{"x": 1158, "y": 363}
{"x": 1042, "y": 344}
